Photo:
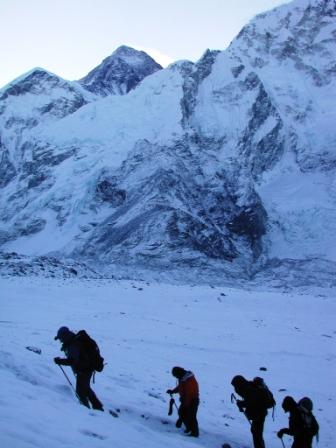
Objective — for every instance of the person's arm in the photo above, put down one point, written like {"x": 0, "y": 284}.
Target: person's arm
{"x": 284, "y": 431}
{"x": 72, "y": 358}
{"x": 174, "y": 391}
{"x": 293, "y": 423}
{"x": 73, "y": 355}
{"x": 62, "y": 361}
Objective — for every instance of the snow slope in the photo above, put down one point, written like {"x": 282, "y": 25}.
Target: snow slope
{"x": 144, "y": 329}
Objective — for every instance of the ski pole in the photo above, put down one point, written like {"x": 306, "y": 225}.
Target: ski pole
{"x": 66, "y": 376}
{"x": 283, "y": 443}
{"x": 234, "y": 398}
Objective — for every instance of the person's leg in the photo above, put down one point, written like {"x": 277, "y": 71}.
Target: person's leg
{"x": 257, "y": 428}
{"x": 96, "y": 404}
{"x": 183, "y": 418}
{"x": 193, "y": 423}
{"x": 302, "y": 441}
{"x": 179, "y": 421}
{"x": 82, "y": 386}
{"x": 187, "y": 419}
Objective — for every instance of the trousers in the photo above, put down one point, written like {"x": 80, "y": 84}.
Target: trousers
{"x": 257, "y": 429}
{"x": 84, "y": 391}
{"x": 188, "y": 414}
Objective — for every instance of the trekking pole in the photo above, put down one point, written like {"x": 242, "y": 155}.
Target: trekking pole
{"x": 234, "y": 398}
{"x": 174, "y": 402}
{"x": 66, "y": 376}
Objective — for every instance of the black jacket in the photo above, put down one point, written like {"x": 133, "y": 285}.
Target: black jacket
{"x": 75, "y": 355}
{"x": 297, "y": 428}
{"x": 252, "y": 402}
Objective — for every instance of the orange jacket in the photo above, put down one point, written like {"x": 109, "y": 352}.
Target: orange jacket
{"x": 187, "y": 388}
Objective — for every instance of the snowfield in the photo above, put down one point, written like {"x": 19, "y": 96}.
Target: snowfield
{"x": 143, "y": 330}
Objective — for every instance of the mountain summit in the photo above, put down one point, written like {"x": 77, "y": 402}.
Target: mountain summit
{"x": 120, "y": 72}
{"x": 227, "y": 163}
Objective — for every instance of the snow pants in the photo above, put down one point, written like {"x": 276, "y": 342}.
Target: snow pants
{"x": 303, "y": 442}
{"x": 188, "y": 415}
{"x": 84, "y": 391}
{"x": 257, "y": 429}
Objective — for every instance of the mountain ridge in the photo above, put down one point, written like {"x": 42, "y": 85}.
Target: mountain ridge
{"x": 217, "y": 163}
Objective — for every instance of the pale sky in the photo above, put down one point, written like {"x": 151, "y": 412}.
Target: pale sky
{"x": 71, "y": 37}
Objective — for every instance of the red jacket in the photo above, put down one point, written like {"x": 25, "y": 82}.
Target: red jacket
{"x": 187, "y": 388}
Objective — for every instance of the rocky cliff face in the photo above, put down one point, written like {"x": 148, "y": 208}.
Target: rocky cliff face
{"x": 229, "y": 162}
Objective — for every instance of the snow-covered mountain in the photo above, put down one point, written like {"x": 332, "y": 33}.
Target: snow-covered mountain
{"x": 228, "y": 162}
{"x": 120, "y": 72}
{"x": 35, "y": 98}
{"x": 40, "y": 97}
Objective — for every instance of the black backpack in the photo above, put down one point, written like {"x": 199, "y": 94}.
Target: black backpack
{"x": 266, "y": 396}
{"x": 90, "y": 350}
{"x": 310, "y": 425}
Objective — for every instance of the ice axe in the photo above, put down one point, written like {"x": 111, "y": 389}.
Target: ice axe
{"x": 283, "y": 443}
{"x": 66, "y": 376}
{"x": 234, "y": 399}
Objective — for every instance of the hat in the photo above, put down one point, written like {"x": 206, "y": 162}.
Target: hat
{"x": 178, "y": 372}
{"x": 288, "y": 403}
{"x": 62, "y": 331}
{"x": 238, "y": 380}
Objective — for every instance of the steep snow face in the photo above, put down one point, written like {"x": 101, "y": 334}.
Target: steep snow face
{"x": 270, "y": 98}
{"x": 230, "y": 159}
{"x": 293, "y": 51}
{"x": 60, "y": 181}
{"x": 120, "y": 72}
{"x": 35, "y": 99}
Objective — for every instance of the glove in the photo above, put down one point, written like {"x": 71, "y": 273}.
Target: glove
{"x": 280, "y": 433}
{"x": 169, "y": 391}
{"x": 57, "y": 361}
{"x": 240, "y": 405}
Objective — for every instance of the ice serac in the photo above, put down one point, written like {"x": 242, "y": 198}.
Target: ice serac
{"x": 227, "y": 163}
{"x": 120, "y": 72}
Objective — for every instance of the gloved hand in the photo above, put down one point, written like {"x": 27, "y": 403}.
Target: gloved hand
{"x": 169, "y": 391}
{"x": 280, "y": 433}
{"x": 240, "y": 405}
{"x": 57, "y": 360}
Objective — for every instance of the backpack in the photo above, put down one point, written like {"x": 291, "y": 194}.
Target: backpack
{"x": 310, "y": 425}
{"x": 266, "y": 396}
{"x": 91, "y": 350}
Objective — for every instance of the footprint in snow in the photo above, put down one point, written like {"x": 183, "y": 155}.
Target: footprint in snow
{"x": 93, "y": 434}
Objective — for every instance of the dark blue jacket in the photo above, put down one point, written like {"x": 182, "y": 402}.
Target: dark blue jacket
{"x": 75, "y": 355}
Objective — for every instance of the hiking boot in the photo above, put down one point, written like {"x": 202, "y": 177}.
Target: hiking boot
{"x": 193, "y": 434}
{"x": 98, "y": 408}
